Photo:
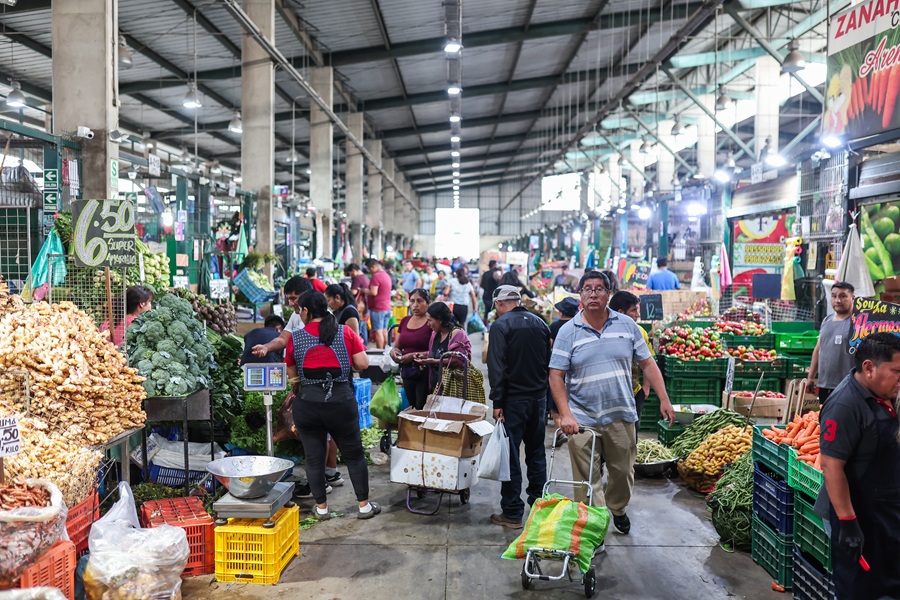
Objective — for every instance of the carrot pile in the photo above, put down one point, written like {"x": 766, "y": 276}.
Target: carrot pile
{"x": 803, "y": 434}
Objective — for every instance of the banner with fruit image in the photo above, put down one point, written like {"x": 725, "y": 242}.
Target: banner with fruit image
{"x": 758, "y": 248}
{"x": 863, "y": 83}
{"x": 879, "y": 228}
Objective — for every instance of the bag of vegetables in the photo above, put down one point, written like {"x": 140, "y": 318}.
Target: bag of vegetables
{"x": 127, "y": 562}
{"x": 32, "y": 519}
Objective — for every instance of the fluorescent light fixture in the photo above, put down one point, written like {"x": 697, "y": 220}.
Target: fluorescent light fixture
{"x": 456, "y": 181}
{"x": 722, "y": 176}
{"x": 235, "y": 125}
{"x": 456, "y": 173}
{"x": 455, "y": 164}
{"x": 191, "y": 98}
{"x": 455, "y": 153}
{"x": 455, "y": 139}
{"x": 453, "y": 46}
{"x": 695, "y": 209}
{"x": 621, "y": 210}
{"x": 832, "y": 141}
{"x": 16, "y": 98}
{"x": 309, "y": 171}
{"x": 644, "y": 213}
{"x": 775, "y": 160}
{"x": 455, "y": 188}
{"x": 454, "y": 90}
{"x": 455, "y": 118}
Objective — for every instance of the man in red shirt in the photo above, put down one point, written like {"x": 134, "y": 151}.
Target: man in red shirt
{"x": 379, "y": 301}
{"x": 317, "y": 283}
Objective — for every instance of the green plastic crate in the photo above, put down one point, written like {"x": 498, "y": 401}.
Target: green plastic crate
{"x": 695, "y": 390}
{"x": 799, "y": 365}
{"x": 703, "y": 323}
{"x": 765, "y": 451}
{"x": 773, "y": 368}
{"x": 667, "y": 434}
{"x": 797, "y": 342}
{"x": 760, "y": 342}
{"x": 650, "y": 414}
{"x": 675, "y": 367}
{"x": 792, "y": 327}
{"x": 809, "y": 532}
{"x": 773, "y": 552}
{"x": 748, "y": 384}
{"x": 803, "y": 477}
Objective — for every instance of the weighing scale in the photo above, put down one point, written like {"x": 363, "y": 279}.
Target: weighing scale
{"x": 266, "y": 378}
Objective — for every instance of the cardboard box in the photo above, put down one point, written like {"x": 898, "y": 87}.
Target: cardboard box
{"x": 448, "y": 426}
{"x": 432, "y": 470}
{"x": 769, "y": 409}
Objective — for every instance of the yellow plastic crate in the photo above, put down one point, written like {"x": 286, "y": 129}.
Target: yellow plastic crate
{"x": 249, "y": 553}
{"x": 398, "y": 312}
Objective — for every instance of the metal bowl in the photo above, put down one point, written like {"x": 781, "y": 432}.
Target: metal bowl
{"x": 654, "y": 469}
{"x": 249, "y": 476}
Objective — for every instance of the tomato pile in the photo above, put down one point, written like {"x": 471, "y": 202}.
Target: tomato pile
{"x": 751, "y": 353}
{"x": 737, "y": 313}
{"x": 749, "y": 394}
{"x": 741, "y": 327}
{"x": 691, "y": 344}
{"x": 700, "y": 308}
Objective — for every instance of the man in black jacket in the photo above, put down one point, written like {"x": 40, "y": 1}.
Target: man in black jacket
{"x": 517, "y": 361}
{"x": 489, "y": 282}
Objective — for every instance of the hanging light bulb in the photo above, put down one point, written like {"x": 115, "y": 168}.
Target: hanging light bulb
{"x": 623, "y": 164}
{"x": 453, "y": 89}
{"x": 455, "y": 153}
{"x": 455, "y": 164}
{"x": 16, "y": 98}
{"x": 293, "y": 157}
{"x": 455, "y": 118}
{"x": 678, "y": 127}
{"x": 794, "y": 61}
{"x": 126, "y": 60}
{"x": 452, "y": 46}
{"x": 646, "y": 147}
{"x": 191, "y": 98}
{"x": 147, "y": 141}
{"x": 215, "y": 168}
{"x": 729, "y": 160}
{"x": 723, "y": 101}
{"x": 235, "y": 125}
{"x": 455, "y": 139}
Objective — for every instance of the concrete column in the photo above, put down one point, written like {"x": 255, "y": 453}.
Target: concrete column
{"x": 85, "y": 84}
{"x": 636, "y": 182}
{"x": 706, "y": 140}
{"x": 407, "y": 214}
{"x": 374, "y": 183}
{"x": 354, "y": 176}
{"x": 387, "y": 200}
{"x": 665, "y": 163}
{"x": 321, "y": 149}
{"x": 768, "y": 75}
{"x": 258, "y": 137}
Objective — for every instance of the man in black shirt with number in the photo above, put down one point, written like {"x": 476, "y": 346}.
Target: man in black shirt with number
{"x": 861, "y": 463}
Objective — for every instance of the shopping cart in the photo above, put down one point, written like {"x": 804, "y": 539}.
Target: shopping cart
{"x": 531, "y": 569}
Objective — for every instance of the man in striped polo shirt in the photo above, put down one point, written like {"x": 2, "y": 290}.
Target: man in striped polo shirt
{"x": 590, "y": 378}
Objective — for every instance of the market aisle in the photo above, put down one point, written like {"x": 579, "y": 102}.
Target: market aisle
{"x": 671, "y": 553}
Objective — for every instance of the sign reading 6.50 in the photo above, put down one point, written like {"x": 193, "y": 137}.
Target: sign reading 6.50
{"x": 104, "y": 233}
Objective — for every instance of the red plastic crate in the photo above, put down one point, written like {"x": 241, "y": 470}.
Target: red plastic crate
{"x": 79, "y": 521}
{"x": 189, "y": 514}
{"x": 55, "y": 569}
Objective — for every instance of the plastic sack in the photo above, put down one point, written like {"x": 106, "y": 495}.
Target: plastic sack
{"x": 28, "y": 533}
{"x": 40, "y": 275}
{"x": 475, "y": 324}
{"x": 386, "y": 402}
{"x": 129, "y": 562}
{"x": 38, "y": 593}
{"x": 171, "y": 454}
{"x": 494, "y": 461}
{"x": 557, "y": 523}
{"x": 388, "y": 363}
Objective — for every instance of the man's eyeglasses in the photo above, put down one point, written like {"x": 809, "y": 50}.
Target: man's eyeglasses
{"x": 594, "y": 291}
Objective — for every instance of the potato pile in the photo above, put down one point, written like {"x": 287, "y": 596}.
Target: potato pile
{"x": 719, "y": 449}
{"x": 80, "y": 383}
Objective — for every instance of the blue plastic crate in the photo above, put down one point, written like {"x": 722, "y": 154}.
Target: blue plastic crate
{"x": 809, "y": 582}
{"x": 362, "y": 388}
{"x": 254, "y": 293}
{"x": 175, "y": 477}
{"x": 773, "y": 500}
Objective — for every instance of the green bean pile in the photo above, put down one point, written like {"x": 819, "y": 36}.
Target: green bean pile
{"x": 704, "y": 426}
{"x": 732, "y": 504}
{"x": 651, "y": 451}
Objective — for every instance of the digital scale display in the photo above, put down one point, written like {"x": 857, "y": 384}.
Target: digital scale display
{"x": 265, "y": 377}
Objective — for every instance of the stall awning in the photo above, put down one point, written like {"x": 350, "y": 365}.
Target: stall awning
{"x": 769, "y": 196}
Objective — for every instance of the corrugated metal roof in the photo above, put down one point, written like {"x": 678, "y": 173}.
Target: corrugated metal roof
{"x": 486, "y": 15}
{"x": 488, "y": 64}
{"x": 408, "y": 20}
{"x": 601, "y": 48}
{"x": 525, "y": 99}
{"x": 372, "y": 80}
{"x": 544, "y": 57}
{"x": 342, "y": 25}
{"x": 553, "y": 10}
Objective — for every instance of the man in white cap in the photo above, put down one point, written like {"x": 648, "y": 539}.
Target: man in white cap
{"x": 518, "y": 365}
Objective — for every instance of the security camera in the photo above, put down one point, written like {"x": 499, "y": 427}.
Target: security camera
{"x": 85, "y": 132}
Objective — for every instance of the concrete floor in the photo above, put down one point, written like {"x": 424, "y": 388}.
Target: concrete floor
{"x": 671, "y": 552}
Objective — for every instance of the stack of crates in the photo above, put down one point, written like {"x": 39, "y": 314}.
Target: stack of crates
{"x": 55, "y": 569}
{"x": 189, "y": 514}
{"x": 248, "y": 552}
{"x": 774, "y": 519}
{"x": 812, "y": 546}
{"x": 80, "y": 519}
{"x": 796, "y": 341}
{"x": 362, "y": 388}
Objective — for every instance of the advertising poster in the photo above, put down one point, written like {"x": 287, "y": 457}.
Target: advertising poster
{"x": 879, "y": 229}
{"x": 874, "y": 316}
{"x": 758, "y": 248}
{"x": 863, "y": 85}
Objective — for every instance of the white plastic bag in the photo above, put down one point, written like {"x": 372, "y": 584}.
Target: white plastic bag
{"x": 494, "y": 462}
{"x": 28, "y": 533}
{"x": 129, "y": 562}
{"x": 388, "y": 363}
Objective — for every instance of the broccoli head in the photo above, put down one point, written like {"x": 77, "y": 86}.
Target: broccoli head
{"x": 154, "y": 333}
{"x": 178, "y": 331}
{"x": 145, "y": 366}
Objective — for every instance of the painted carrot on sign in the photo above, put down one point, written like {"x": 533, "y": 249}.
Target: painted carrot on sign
{"x": 891, "y": 96}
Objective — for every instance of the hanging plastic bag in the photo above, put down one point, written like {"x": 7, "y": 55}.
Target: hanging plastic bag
{"x": 475, "y": 324}
{"x": 386, "y": 402}
{"x": 494, "y": 461}
{"x": 36, "y": 286}
{"x": 129, "y": 562}
{"x": 388, "y": 363}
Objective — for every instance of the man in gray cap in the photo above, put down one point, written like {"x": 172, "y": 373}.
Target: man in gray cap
{"x": 518, "y": 366}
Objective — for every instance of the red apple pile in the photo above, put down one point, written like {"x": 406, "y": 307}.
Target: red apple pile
{"x": 751, "y": 353}
{"x": 691, "y": 344}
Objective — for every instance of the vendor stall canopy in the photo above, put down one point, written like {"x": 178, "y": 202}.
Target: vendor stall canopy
{"x": 542, "y": 86}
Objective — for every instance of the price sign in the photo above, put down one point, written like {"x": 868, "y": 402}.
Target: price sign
{"x": 181, "y": 282}
{"x": 153, "y": 165}
{"x": 104, "y": 233}
{"x": 9, "y": 436}
{"x": 51, "y": 179}
{"x": 651, "y": 307}
{"x": 218, "y": 289}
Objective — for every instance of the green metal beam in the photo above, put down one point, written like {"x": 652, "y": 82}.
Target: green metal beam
{"x": 644, "y": 98}
{"x": 665, "y": 146}
{"x": 700, "y": 59}
{"x": 512, "y": 34}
